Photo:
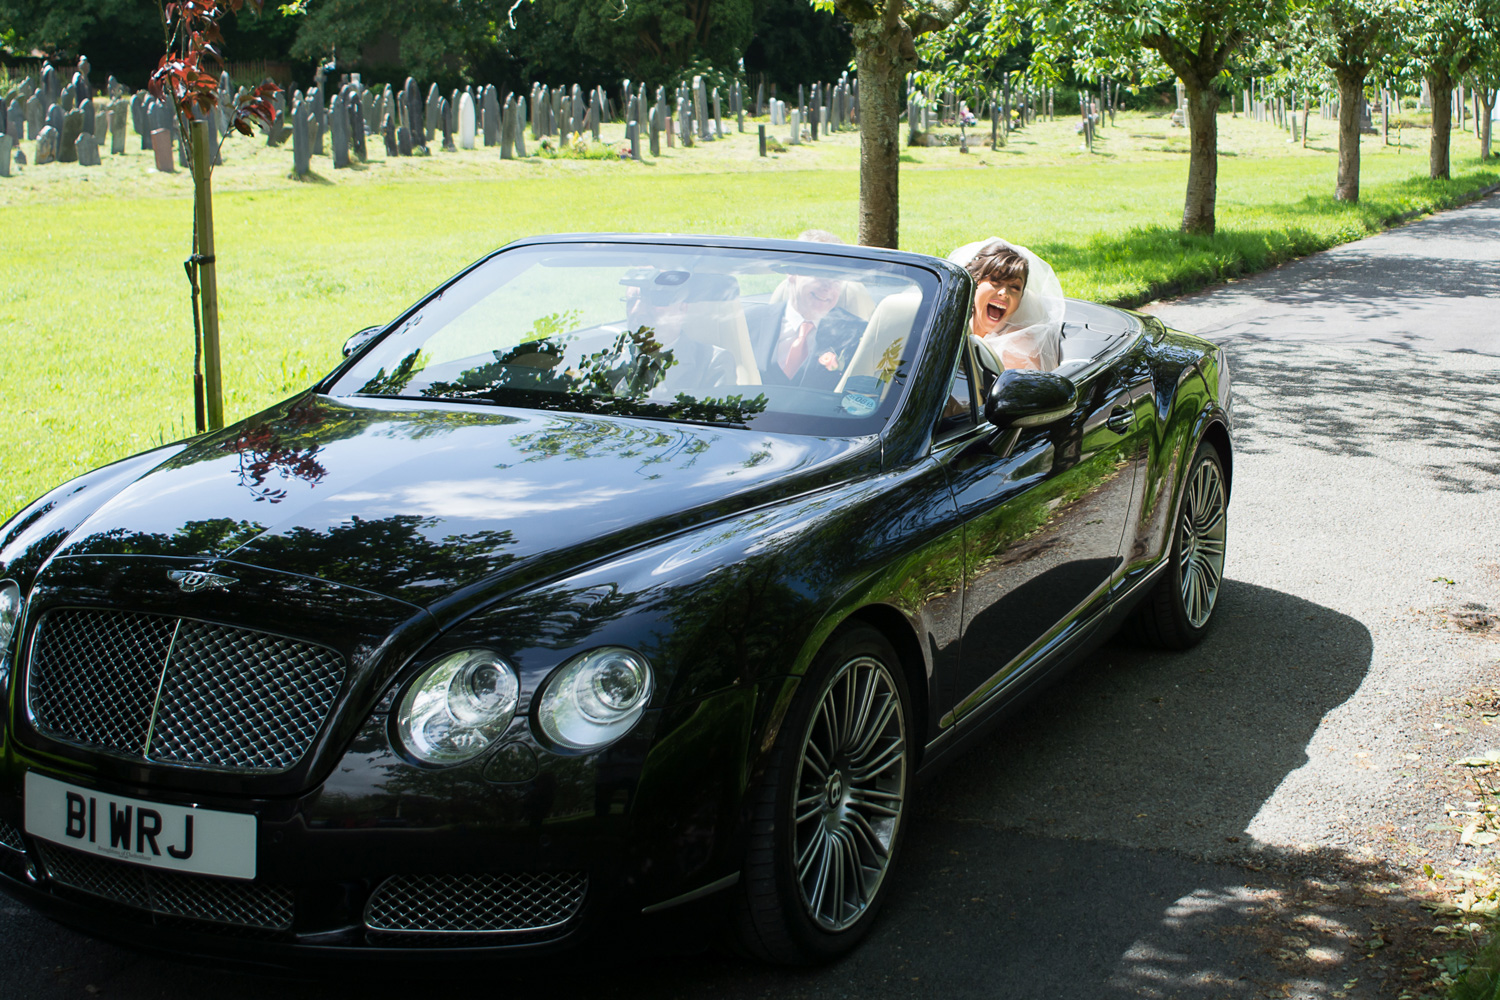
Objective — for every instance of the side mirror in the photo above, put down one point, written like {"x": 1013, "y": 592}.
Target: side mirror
{"x": 360, "y": 339}
{"x": 1021, "y": 398}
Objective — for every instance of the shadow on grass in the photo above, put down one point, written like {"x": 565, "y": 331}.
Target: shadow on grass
{"x": 1159, "y": 261}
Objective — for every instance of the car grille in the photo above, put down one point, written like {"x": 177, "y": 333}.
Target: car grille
{"x": 178, "y": 691}
{"x": 475, "y": 904}
{"x": 195, "y": 897}
{"x": 10, "y": 837}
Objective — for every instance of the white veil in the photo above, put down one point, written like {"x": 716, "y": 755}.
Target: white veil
{"x": 1040, "y": 314}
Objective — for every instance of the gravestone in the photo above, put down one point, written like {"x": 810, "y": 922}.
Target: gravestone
{"x": 445, "y": 120}
{"x": 34, "y": 113}
{"x": 51, "y": 85}
{"x": 101, "y": 124}
{"x": 760, "y": 98}
{"x": 466, "y": 121}
{"x": 161, "y": 146}
{"x": 633, "y": 133}
{"x": 490, "y": 115}
{"x": 87, "y": 150}
{"x": 67, "y": 150}
{"x": 275, "y": 131}
{"x": 388, "y": 131}
{"x": 301, "y": 137}
{"x": 54, "y": 119}
{"x": 6, "y": 143}
{"x": 138, "y": 118}
{"x": 338, "y": 132}
{"x": 508, "y": 129}
{"x": 119, "y": 115}
{"x": 317, "y": 121}
{"x": 68, "y": 99}
{"x": 403, "y": 141}
{"x": 412, "y": 105}
{"x": 357, "y": 127}
{"x": 596, "y": 112}
{"x": 433, "y": 113}
{"x": 47, "y": 141}
{"x": 520, "y": 128}
{"x": 796, "y": 127}
{"x": 739, "y": 107}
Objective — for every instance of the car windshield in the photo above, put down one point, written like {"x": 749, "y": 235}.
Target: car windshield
{"x": 800, "y": 342}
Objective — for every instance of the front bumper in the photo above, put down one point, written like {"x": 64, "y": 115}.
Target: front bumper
{"x": 516, "y": 853}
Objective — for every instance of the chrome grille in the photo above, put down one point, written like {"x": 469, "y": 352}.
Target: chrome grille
{"x": 196, "y": 897}
{"x": 10, "y": 837}
{"x": 201, "y": 694}
{"x": 94, "y": 676}
{"x": 475, "y": 904}
{"x": 242, "y": 699}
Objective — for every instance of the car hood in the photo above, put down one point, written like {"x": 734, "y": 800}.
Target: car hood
{"x": 446, "y": 506}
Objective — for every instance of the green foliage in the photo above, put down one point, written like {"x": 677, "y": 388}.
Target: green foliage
{"x": 650, "y": 40}
{"x": 437, "y": 38}
{"x": 123, "y": 37}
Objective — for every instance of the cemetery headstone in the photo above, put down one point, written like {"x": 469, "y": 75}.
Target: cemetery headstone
{"x": 67, "y": 150}
{"x": 433, "y": 113}
{"x": 47, "y": 141}
{"x": 138, "y": 118}
{"x": 508, "y": 129}
{"x": 54, "y": 118}
{"x": 388, "y": 130}
{"x": 633, "y": 133}
{"x": 34, "y": 113}
{"x": 491, "y": 116}
{"x": 87, "y": 150}
{"x": 301, "y": 137}
{"x": 796, "y": 127}
{"x": 6, "y": 143}
{"x": 356, "y": 115}
{"x": 403, "y": 141}
{"x": 762, "y": 130}
{"x": 101, "y": 124}
{"x": 414, "y": 115}
{"x": 161, "y": 146}
{"x": 466, "y": 122}
{"x": 68, "y": 99}
{"x": 338, "y": 129}
{"x": 445, "y": 119}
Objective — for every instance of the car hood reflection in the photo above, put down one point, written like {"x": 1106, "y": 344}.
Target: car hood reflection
{"x": 441, "y": 506}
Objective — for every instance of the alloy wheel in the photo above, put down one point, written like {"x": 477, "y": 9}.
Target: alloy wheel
{"x": 1201, "y": 542}
{"x": 851, "y": 786}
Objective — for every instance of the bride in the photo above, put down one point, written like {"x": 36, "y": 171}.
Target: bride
{"x": 1018, "y": 303}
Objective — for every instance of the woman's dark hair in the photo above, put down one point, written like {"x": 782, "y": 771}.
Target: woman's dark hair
{"x": 999, "y": 265}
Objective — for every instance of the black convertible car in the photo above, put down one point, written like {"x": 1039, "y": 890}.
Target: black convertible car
{"x": 576, "y": 599}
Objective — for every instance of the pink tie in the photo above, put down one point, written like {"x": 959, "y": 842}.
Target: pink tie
{"x": 797, "y": 353}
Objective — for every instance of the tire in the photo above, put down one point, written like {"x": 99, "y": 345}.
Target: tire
{"x": 1179, "y": 609}
{"x": 827, "y": 815}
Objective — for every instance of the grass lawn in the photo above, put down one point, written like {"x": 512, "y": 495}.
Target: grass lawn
{"x": 97, "y": 336}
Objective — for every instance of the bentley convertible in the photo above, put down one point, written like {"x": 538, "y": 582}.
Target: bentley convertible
{"x": 565, "y": 607}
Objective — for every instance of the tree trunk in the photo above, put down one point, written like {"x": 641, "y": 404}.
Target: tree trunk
{"x": 1487, "y": 102}
{"x": 1440, "y": 83}
{"x": 883, "y": 52}
{"x": 1351, "y": 100}
{"x": 1203, "y": 159}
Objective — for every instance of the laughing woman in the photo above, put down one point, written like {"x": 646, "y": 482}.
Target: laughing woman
{"x": 1018, "y": 303}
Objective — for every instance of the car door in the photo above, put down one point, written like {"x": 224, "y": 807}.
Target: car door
{"x": 1043, "y": 527}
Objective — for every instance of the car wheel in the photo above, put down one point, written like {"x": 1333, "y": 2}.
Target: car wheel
{"x": 1177, "y": 613}
{"x": 829, "y": 809}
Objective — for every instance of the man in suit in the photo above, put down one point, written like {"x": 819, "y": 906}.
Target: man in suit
{"x": 806, "y": 339}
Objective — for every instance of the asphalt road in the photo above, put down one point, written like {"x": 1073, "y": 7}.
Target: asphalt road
{"x": 1230, "y": 822}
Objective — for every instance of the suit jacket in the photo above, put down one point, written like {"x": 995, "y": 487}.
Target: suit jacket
{"x": 838, "y": 333}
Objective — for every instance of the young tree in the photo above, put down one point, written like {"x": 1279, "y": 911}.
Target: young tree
{"x": 183, "y": 79}
{"x": 1194, "y": 39}
{"x": 885, "y": 33}
{"x": 1350, "y": 37}
{"x": 1447, "y": 39}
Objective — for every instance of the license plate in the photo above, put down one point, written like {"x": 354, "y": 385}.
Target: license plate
{"x": 178, "y": 838}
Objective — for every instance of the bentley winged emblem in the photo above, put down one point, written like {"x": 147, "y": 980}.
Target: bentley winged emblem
{"x": 193, "y": 580}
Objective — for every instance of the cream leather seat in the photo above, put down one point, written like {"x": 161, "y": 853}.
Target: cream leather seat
{"x": 854, "y": 298}
{"x": 885, "y": 338}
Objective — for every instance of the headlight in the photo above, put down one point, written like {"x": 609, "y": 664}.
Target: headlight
{"x": 595, "y": 698}
{"x": 10, "y": 613}
{"x": 457, "y": 706}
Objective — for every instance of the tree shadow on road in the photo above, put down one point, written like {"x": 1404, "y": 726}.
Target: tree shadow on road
{"x": 1362, "y": 403}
